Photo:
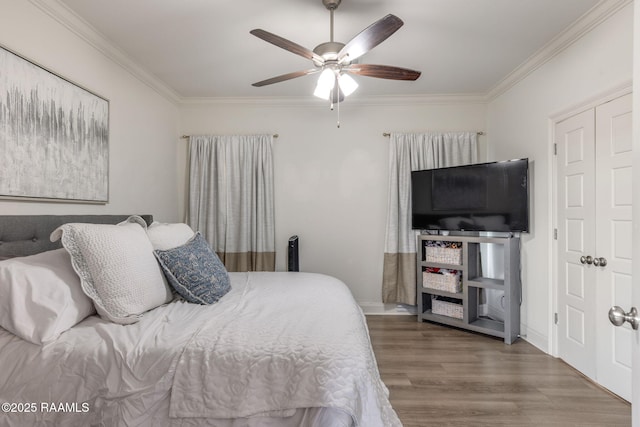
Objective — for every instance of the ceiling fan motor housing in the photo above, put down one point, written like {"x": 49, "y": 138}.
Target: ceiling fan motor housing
{"x": 329, "y": 51}
{"x": 331, "y": 4}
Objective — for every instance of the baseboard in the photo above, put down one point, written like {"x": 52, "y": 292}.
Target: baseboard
{"x": 534, "y": 338}
{"x": 392, "y": 309}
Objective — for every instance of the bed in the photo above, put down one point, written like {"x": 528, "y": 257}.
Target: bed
{"x": 277, "y": 349}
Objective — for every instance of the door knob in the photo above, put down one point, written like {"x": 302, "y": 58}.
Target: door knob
{"x": 600, "y": 262}
{"x": 617, "y": 316}
{"x": 586, "y": 259}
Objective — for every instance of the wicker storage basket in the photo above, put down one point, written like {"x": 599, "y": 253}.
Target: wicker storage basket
{"x": 443, "y": 255}
{"x": 446, "y": 308}
{"x": 442, "y": 282}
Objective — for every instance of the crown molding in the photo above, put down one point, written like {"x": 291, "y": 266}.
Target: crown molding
{"x": 77, "y": 25}
{"x": 599, "y": 13}
{"x": 302, "y": 101}
{"x": 310, "y": 101}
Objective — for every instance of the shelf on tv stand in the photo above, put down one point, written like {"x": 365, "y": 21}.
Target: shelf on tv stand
{"x": 486, "y": 282}
{"x": 454, "y": 295}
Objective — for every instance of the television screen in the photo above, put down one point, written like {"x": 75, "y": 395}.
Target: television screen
{"x": 479, "y": 197}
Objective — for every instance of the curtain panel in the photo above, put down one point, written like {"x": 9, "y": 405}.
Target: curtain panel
{"x": 409, "y": 152}
{"x": 230, "y": 198}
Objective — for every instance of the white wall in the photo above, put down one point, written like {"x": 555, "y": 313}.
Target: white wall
{"x": 143, "y": 124}
{"x": 518, "y": 124}
{"x": 330, "y": 183}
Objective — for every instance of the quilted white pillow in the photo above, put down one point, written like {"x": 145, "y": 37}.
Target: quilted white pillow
{"x": 41, "y": 296}
{"x": 168, "y": 236}
{"x": 117, "y": 268}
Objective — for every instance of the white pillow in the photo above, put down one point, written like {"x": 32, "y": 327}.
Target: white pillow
{"x": 168, "y": 236}
{"x": 41, "y": 296}
{"x": 117, "y": 268}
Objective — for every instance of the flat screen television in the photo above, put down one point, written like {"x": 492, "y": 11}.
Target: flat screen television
{"x": 479, "y": 197}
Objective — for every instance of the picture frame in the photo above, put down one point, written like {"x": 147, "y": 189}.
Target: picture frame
{"x": 54, "y": 136}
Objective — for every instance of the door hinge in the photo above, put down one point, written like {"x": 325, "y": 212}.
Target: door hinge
{"x": 555, "y": 234}
{"x": 555, "y": 149}
{"x": 555, "y": 318}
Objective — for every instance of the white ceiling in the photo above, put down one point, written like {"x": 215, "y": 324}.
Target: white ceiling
{"x": 202, "y": 48}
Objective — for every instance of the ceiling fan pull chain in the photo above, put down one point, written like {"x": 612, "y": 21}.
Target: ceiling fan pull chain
{"x": 338, "y": 115}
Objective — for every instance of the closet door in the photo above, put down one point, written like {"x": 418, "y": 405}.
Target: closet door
{"x": 575, "y": 139}
{"x": 613, "y": 242}
{"x": 594, "y": 241}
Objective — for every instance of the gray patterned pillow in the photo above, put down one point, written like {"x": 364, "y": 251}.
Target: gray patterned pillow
{"x": 195, "y": 271}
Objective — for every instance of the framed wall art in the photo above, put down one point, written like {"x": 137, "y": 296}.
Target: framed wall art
{"x": 54, "y": 135}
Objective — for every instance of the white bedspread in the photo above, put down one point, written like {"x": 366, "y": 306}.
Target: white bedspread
{"x": 172, "y": 361}
{"x": 302, "y": 343}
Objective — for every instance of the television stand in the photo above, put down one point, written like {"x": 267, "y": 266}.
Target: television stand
{"x": 445, "y": 299}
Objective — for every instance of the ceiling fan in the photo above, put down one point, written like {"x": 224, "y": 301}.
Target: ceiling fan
{"x": 335, "y": 60}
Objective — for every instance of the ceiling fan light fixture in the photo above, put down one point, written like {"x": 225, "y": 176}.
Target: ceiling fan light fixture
{"x": 347, "y": 84}
{"x": 326, "y": 82}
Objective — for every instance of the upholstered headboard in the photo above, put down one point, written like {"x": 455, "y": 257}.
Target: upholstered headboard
{"x": 22, "y": 235}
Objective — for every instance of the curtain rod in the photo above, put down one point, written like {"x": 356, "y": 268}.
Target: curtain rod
{"x": 389, "y": 134}
{"x": 275, "y": 135}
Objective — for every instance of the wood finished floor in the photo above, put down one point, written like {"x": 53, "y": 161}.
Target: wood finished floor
{"x": 440, "y": 376}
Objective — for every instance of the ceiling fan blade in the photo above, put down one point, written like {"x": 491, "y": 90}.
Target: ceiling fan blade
{"x": 287, "y": 45}
{"x": 370, "y": 37}
{"x": 382, "y": 71}
{"x": 285, "y": 77}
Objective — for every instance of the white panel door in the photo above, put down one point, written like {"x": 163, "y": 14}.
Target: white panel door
{"x": 613, "y": 242}
{"x": 575, "y": 139}
{"x": 594, "y": 209}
